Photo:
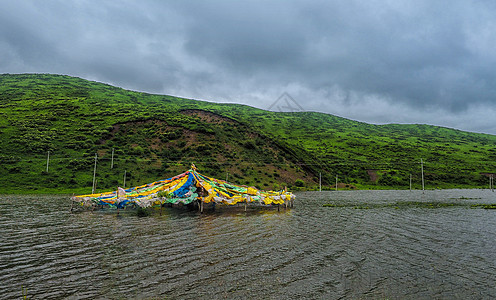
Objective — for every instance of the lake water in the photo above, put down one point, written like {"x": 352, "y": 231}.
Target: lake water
{"x": 310, "y": 252}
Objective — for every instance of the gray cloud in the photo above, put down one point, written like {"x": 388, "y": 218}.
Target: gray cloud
{"x": 378, "y": 61}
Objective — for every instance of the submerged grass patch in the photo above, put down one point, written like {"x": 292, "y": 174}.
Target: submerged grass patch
{"x": 485, "y": 206}
{"x": 411, "y": 204}
{"x": 142, "y": 212}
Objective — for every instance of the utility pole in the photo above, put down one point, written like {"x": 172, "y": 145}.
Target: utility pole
{"x": 124, "y": 184}
{"x": 112, "y": 164}
{"x": 336, "y": 182}
{"x": 410, "y": 182}
{"x": 422, "y": 168}
{"x": 320, "y": 182}
{"x": 94, "y": 174}
{"x": 48, "y": 159}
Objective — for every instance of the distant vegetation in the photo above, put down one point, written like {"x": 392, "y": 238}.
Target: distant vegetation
{"x": 156, "y": 136}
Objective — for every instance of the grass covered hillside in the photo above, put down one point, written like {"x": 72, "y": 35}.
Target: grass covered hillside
{"x": 70, "y": 120}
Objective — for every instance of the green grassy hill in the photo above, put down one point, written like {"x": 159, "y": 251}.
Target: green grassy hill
{"x": 157, "y": 136}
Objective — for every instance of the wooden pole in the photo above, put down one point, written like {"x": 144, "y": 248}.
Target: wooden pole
{"x": 336, "y": 182}
{"x": 422, "y": 168}
{"x": 124, "y": 184}
{"x": 94, "y": 174}
{"x": 48, "y": 160}
{"x": 112, "y": 164}
{"x": 72, "y": 202}
{"x": 410, "y": 182}
{"x": 320, "y": 181}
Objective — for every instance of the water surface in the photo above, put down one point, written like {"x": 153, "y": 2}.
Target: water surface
{"x": 309, "y": 252}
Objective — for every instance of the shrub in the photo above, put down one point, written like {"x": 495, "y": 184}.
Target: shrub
{"x": 299, "y": 183}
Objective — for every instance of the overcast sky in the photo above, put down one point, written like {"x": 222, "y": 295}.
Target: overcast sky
{"x": 430, "y": 62}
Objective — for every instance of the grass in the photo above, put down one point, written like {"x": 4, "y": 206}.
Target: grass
{"x": 24, "y": 293}
{"x": 485, "y": 206}
{"x": 411, "y": 204}
{"x": 142, "y": 212}
{"x": 158, "y": 136}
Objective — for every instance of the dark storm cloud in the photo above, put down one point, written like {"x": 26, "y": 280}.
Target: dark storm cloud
{"x": 411, "y": 54}
{"x": 376, "y": 61}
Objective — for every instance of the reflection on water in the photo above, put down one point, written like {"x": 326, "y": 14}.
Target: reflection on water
{"x": 310, "y": 251}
